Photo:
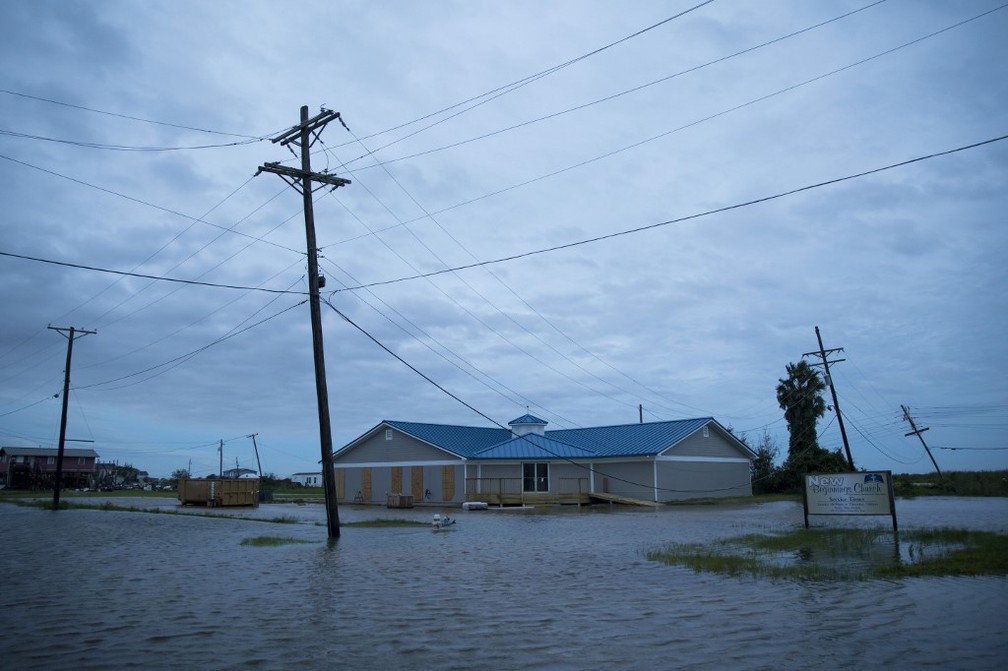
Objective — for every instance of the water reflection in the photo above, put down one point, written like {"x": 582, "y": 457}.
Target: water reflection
{"x": 536, "y": 590}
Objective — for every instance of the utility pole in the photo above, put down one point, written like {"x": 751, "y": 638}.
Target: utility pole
{"x": 823, "y": 354}
{"x": 304, "y": 135}
{"x": 256, "y": 448}
{"x": 917, "y": 432}
{"x": 220, "y": 452}
{"x": 68, "y": 333}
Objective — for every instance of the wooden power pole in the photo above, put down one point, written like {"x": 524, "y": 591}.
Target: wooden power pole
{"x": 69, "y": 334}
{"x": 917, "y": 432}
{"x": 823, "y": 354}
{"x": 303, "y": 136}
{"x": 256, "y": 448}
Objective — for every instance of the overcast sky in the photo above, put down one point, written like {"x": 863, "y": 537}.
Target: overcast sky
{"x": 130, "y": 133}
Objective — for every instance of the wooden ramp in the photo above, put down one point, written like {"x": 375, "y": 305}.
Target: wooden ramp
{"x": 624, "y": 500}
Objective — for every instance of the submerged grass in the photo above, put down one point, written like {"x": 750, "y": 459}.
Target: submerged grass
{"x": 272, "y": 541}
{"x": 846, "y": 554}
{"x": 377, "y": 523}
{"x": 114, "y": 507}
{"x": 46, "y": 504}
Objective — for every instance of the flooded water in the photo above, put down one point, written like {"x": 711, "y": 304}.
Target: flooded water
{"x": 539, "y": 589}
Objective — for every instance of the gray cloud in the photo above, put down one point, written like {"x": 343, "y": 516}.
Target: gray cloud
{"x": 903, "y": 269}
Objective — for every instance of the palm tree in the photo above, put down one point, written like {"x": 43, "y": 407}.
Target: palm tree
{"x": 800, "y": 397}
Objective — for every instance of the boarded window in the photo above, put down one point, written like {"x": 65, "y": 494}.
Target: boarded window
{"x": 416, "y": 483}
{"x": 447, "y": 483}
{"x": 397, "y": 480}
{"x": 365, "y": 478}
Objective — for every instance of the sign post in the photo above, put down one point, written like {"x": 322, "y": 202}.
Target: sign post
{"x": 865, "y": 493}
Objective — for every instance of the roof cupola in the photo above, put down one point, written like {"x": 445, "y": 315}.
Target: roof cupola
{"x": 527, "y": 424}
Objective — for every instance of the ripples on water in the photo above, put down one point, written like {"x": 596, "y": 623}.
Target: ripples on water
{"x": 543, "y": 589}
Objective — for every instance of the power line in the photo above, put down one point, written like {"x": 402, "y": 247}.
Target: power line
{"x": 448, "y": 354}
{"x": 622, "y": 93}
{"x": 473, "y": 289}
{"x": 513, "y": 86}
{"x": 172, "y": 363}
{"x": 145, "y": 276}
{"x": 966, "y": 449}
{"x": 141, "y": 201}
{"x": 122, "y": 147}
{"x": 677, "y": 220}
{"x": 179, "y": 330}
{"x": 696, "y": 122}
{"x": 127, "y": 116}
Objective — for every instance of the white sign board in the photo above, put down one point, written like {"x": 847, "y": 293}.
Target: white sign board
{"x": 865, "y": 493}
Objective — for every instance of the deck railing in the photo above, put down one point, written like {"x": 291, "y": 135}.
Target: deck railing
{"x": 509, "y": 491}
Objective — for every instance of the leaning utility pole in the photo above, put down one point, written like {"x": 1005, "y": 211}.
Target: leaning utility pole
{"x": 256, "y": 448}
{"x": 917, "y": 432}
{"x": 70, "y": 334}
{"x": 304, "y": 135}
{"x": 822, "y": 354}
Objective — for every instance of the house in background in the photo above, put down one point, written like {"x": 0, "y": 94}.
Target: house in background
{"x": 308, "y": 479}
{"x": 35, "y": 467}
{"x": 236, "y": 472}
{"x": 445, "y": 464}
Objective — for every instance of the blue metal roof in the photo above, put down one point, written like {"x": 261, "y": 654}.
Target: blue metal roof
{"x": 627, "y": 440}
{"x": 464, "y": 441}
{"x": 624, "y": 440}
{"x": 533, "y": 446}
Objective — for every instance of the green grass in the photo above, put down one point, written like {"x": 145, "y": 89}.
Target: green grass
{"x": 376, "y": 523}
{"x": 272, "y": 541}
{"x": 954, "y": 483}
{"x": 846, "y": 554}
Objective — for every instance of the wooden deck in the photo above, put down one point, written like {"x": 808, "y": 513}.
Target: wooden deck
{"x": 530, "y": 498}
{"x": 623, "y": 500}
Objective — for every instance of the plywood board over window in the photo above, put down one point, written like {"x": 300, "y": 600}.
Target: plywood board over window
{"x": 447, "y": 483}
{"x": 365, "y": 477}
{"x": 416, "y": 483}
{"x": 397, "y": 480}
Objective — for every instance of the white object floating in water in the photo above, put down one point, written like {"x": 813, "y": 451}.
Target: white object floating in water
{"x": 475, "y": 505}
{"x": 440, "y": 522}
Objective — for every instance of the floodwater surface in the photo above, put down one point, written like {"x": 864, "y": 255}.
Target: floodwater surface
{"x": 538, "y": 589}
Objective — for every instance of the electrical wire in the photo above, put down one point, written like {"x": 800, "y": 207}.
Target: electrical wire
{"x": 620, "y": 94}
{"x": 165, "y": 366}
{"x": 678, "y": 220}
{"x": 141, "y": 202}
{"x": 122, "y": 147}
{"x": 481, "y": 295}
{"x": 515, "y": 85}
{"x": 127, "y": 116}
{"x": 145, "y": 276}
{"x": 697, "y": 122}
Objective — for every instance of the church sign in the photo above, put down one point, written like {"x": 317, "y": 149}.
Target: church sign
{"x": 864, "y": 493}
